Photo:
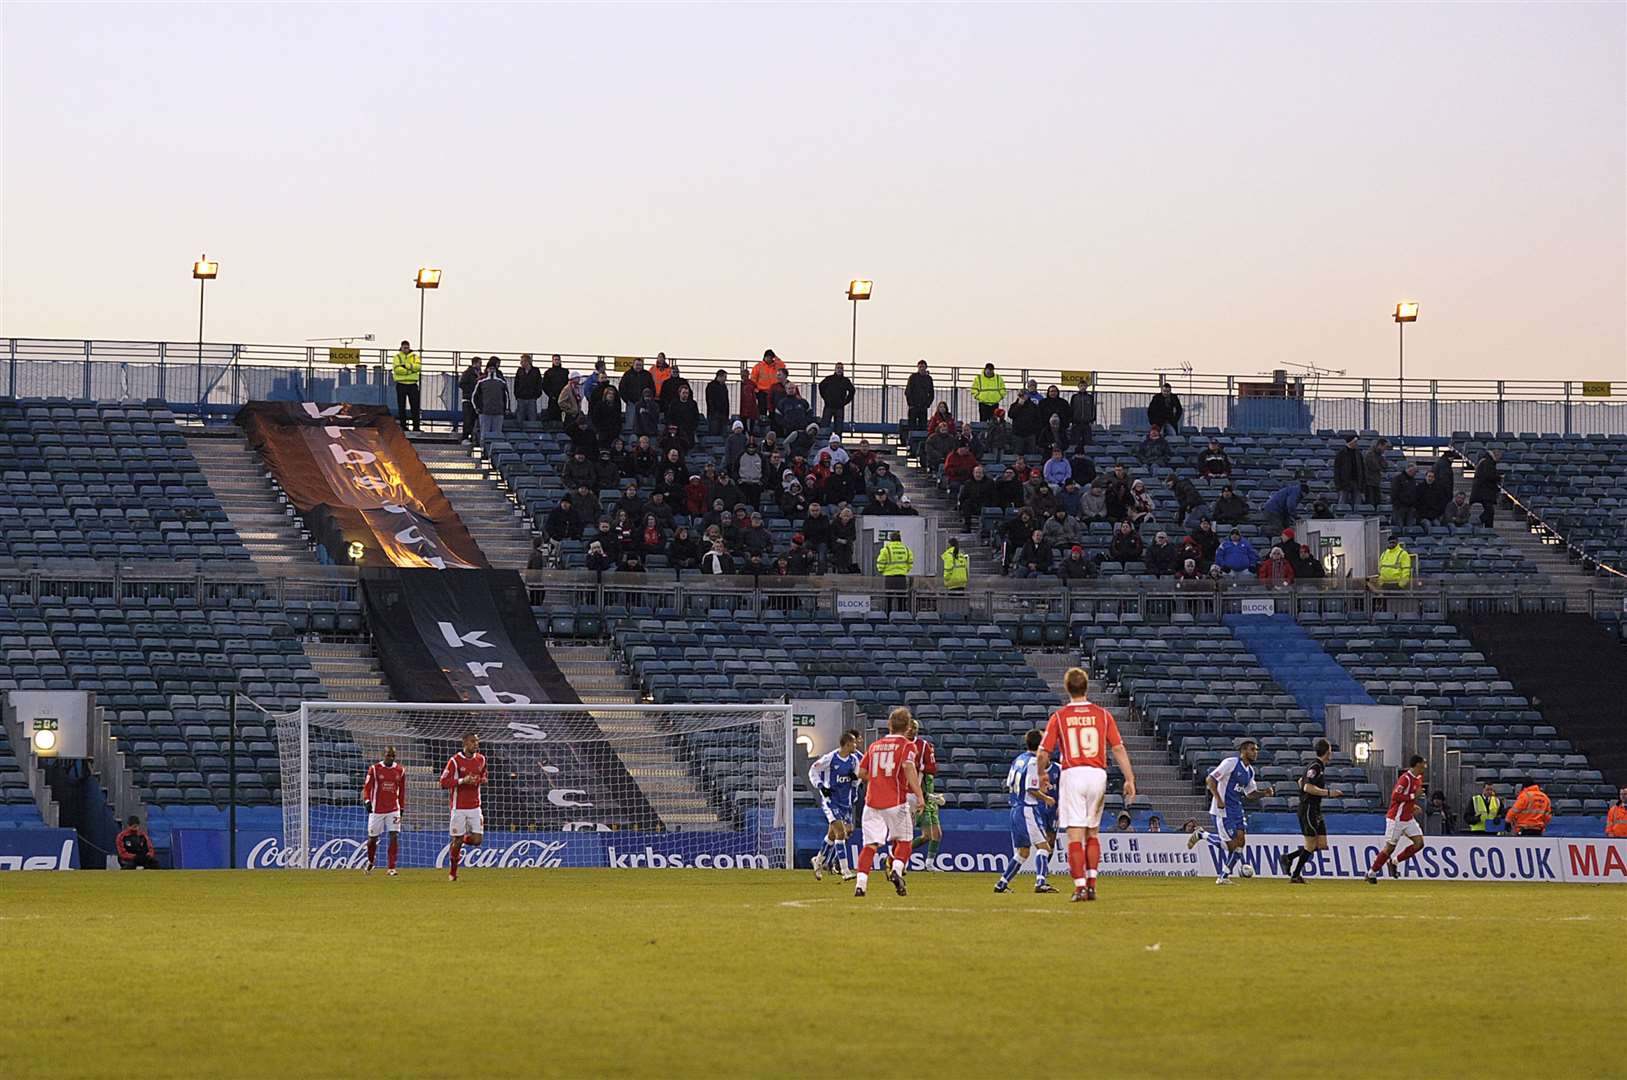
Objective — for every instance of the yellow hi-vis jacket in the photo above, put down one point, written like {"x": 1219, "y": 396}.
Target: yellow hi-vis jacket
{"x": 988, "y": 389}
{"x": 406, "y": 368}
{"x": 894, "y": 559}
{"x": 956, "y": 569}
{"x": 1395, "y": 567}
{"x": 1488, "y": 811}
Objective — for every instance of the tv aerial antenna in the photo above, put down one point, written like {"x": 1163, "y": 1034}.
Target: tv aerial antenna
{"x": 343, "y": 341}
{"x": 1312, "y": 369}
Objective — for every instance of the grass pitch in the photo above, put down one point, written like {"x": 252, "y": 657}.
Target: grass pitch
{"x": 757, "y": 974}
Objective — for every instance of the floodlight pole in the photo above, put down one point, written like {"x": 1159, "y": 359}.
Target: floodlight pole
{"x": 1401, "y": 373}
{"x": 420, "y": 321}
{"x": 853, "y": 353}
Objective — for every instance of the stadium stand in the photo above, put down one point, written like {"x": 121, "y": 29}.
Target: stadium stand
{"x": 82, "y": 480}
{"x": 17, "y": 809}
{"x": 1577, "y": 485}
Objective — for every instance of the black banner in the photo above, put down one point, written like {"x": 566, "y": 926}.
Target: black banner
{"x": 469, "y": 636}
{"x": 356, "y": 479}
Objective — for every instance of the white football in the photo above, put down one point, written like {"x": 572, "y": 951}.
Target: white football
{"x": 1246, "y": 870}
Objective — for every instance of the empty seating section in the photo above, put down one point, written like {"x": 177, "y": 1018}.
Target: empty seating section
{"x": 1203, "y": 690}
{"x": 162, "y": 670}
{"x": 1261, "y": 465}
{"x": 966, "y": 682}
{"x": 17, "y": 809}
{"x": 1405, "y": 661}
{"x": 1576, "y": 483}
{"x": 105, "y": 481}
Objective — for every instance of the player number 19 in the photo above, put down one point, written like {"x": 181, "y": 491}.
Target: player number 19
{"x": 1083, "y": 742}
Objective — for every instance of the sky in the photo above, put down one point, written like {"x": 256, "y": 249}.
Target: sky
{"x": 1117, "y": 187}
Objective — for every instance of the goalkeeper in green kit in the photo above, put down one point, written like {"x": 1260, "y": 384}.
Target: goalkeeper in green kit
{"x": 928, "y": 832}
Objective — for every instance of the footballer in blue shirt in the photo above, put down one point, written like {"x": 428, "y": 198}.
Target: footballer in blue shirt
{"x": 835, "y": 776}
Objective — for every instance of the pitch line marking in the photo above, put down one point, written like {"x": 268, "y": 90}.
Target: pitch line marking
{"x": 1373, "y": 916}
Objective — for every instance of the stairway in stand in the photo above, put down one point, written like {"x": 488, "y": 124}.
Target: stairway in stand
{"x": 926, "y": 498}
{"x": 667, "y": 782}
{"x": 1565, "y": 577}
{"x": 1171, "y": 794}
{"x": 273, "y": 535}
{"x": 349, "y": 670}
{"x": 490, "y": 514}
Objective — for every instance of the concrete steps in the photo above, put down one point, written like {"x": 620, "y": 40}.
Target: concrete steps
{"x": 493, "y": 519}
{"x": 925, "y": 497}
{"x": 349, "y": 671}
{"x": 667, "y": 782}
{"x": 1550, "y": 558}
{"x": 274, "y": 536}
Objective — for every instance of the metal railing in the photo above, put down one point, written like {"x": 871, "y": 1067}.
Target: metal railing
{"x": 216, "y": 378}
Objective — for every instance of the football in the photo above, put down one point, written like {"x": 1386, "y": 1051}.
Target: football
{"x": 1245, "y": 871}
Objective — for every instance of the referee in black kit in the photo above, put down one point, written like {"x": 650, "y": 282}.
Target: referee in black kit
{"x": 1311, "y": 825}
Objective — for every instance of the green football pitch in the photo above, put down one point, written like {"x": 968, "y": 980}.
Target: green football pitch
{"x": 670, "y": 973}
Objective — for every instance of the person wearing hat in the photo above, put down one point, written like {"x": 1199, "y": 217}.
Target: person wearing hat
{"x": 1123, "y": 823}
{"x": 906, "y": 508}
{"x": 1075, "y": 567}
{"x": 988, "y": 390}
{"x": 1236, "y": 555}
{"x": 407, "y": 370}
{"x": 1395, "y": 565}
{"x": 764, "y": 376}
{"x": 957, "y": 566}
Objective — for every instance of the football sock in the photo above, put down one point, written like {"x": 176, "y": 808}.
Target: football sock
{"x": 457, "y": 854}
{"x": 1042, "y": 865}
{"x": 1013, "y": 867}
{"x": 901, "y": 855}
{"x": 863, "y": 879}
{"x": 932, "y": 849}
{"x": 823, "y": 855}
{"x": 867, "y": 859}
{"x": 841, "y": 861}
{"x": 1378, "y": 863}
{"x": 1076, "y": 862}
{"x": 395, "y": 847}
{"x": 1407, "y": 854}
{"x": 1233, "y": 859}
{"x": 1093, "y": 856}
{"x": 372, "y": 849}
{"x": 1215, "y": 841}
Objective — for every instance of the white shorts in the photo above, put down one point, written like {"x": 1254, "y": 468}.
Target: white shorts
{"x": 467, "y": 821}
{"x": 379, "y": 824}
{"x": 1080, "y": 797}
{"x": 1395, "y": 829}
{"x": 885, "y": 826}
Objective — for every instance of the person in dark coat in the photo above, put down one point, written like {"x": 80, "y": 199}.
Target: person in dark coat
{"x": 553, "y": 381}
{"x": 1431, "y": 498}
{"x": 1054, "y": 404}
{"x": 647, "y": 415}
{"x": 1445, "y": 473}
{"x": 672, "y": 389}
{"x": 918, "y": 393}
{"x": 684, "y": 414}
{"x": 466, "y": 393}
{"x": 527, "y": 389}
{"x": 836, "y": 394}
{"x": 1404, "y": 496}
{"x": 1165, "y": 410}
{"x": 563, "y": 522}
{"x": 1186, "y": 495}
{"x": 1212, "y": 461}
{"x": 1349, "y": 474}
{"x": 1082, "y": 410}
{"x": 635, "y": 380}
{"x": 1488, "y": 481}
{"x": 606, "y": 415}
{"x": 1231, "y": 508}
{"x": 1372, "y": 471}
{"x": 717, "y": 403}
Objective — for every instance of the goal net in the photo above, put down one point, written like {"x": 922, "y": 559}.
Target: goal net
{"x": 567, "y": 785}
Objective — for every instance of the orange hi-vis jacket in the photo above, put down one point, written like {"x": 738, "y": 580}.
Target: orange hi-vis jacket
{"x": 1531, "y": 810}
{"x": 767, "y": 373}
{"x": 1615, "y": 822}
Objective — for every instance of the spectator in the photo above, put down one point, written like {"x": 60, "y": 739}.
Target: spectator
{"x": 597, "y": 560}
{"x": 635, "y": 380}
{"x": 1082, "y": 409}
{"x": 631, "y": 502}
{"x": 491, "y": 401}
{"x": 1320, "y": 510}
{"x": 816, "y": 528}
{"x": 1206, "y": 540}
{"x": 1485, "y": 812}
{"x": 1142, "y": 508}
{"x": 1277, "y": 570}
{"x": 1307, "y": 567}
{"x": 1126, "y": 546}
{"x": 764, "y": 376}
{"x": 1154, "y": 449}
{"x": 864, "y": 459}
{"x": 804, "y": 443}
{"x": 594, "y": 386}
{"x": 1236, "y": 555}
{"x": 1439, "y": 817}
{"x": 606, "y": 414}
{"x": 882, "y": 503}
{"x": 988, "y": 390}
{"x": 1093, "y": 503}
{"x": 844, "y": 540}
{"x": 792, "y": 502}
{"x": 1457, "y": 511}
{"x": 793, "y": 412}
{"x": 755, "y": 539}
{"x": 838, "y": 455}
{"x": 1212, "y": 461}
{"x": 1008, "y": 490}
{"x": 959, "y": 466}
{"x": 1395, "y": 565}
{"x": 1061, "y": 531}
{"x": 1488, "y": 480}
{"x": 1186, "y": 495}
{"x": 569, "y": 403}
{"x": 466, "y": 394}
{"x": 563, "y": 522}
{"x": 799, "y": 560}
{"x": 1349, "y": 473}
{"x": 1164, "y": 411}
{"x": 1034, "y": 558}
{"x": 660, "y": 372}
{"x": 938, "y": 446}
{"x": 1446, "y": 471}
{"x": 997, "y": 438}
{"x": 1372, "y": 471}
{"x": 1058, "y": 470}
{"x": 918, "y": 392}
{"x": 1075, "y": 567}
{"x": 579, "y": 470}
{"x": 1531, "y": 812}
{"x": 658, "y": 505}
{"x": 1122, "y": 823}
{"x": 133, "y": 846}
{"x": 646, "y": 415}
{"x": 718, "y": 560}
{"x": 1431, "y": 497}
{"x": 1404, "y": 496}
{"x": 940, "y": 418}
{"x": 684, "y": 414}
{"x": 717, "y": 402}
{"x": 1189, "y": 569}
{"x": 587, "y": 505}
{"x": 976, "y": 494}
{"x": 841, "y": 485}
{"x": 670, "y": 389}
{"x": 527, "y": 390}
{"x": 1284, "y": 504}
{"x": 1084, "y": 468}
{"x": 1231, "y": 508}
{"x": 1160, "y": 558}
{"x": 1054, "y": 435}
{"x": 748, "y": 470}
{"x": 1615, "y": 819}
{"x": 551, "y": 383}
{"x": 836, "y": 392}
{"x": 1026, "y": 422}
{"x": 1155, "y": 823}
{"x": 883, "y": 479}
{"x": 957, "y": 565}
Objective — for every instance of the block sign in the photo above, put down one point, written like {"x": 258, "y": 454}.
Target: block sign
{"x": 852, "y": 604}
{"x": 625, "y": 363}
{"x": 1077, "y": 378}
{"x": 1262, "y": 606}
{"x": 345, "y": 356}
{"x": 1596, "y": 389}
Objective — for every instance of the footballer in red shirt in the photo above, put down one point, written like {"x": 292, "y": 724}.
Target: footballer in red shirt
{"x": 926, "y": 815}
{"x": 465, "y": 772}
{"x": 1085, "y": 734}
{"x": 385, "y": 793}
{"x": 891, "y": 780}
{"x": 1402, "y": 820}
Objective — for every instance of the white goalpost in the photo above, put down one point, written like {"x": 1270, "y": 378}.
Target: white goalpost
{"x": 620, "y": 786}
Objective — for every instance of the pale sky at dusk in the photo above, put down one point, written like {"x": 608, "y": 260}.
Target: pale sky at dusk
{"x": 1116, "y": 187}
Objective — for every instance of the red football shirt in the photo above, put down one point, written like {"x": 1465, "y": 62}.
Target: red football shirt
{"x": 926, "y": 757}
{"x": 464, "y": 796}
{"x": 1404, "y": 796}
{"x": 386, "y": 787}
{"x": 883, "y": 765}
{"x": 1085, "y": 732}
